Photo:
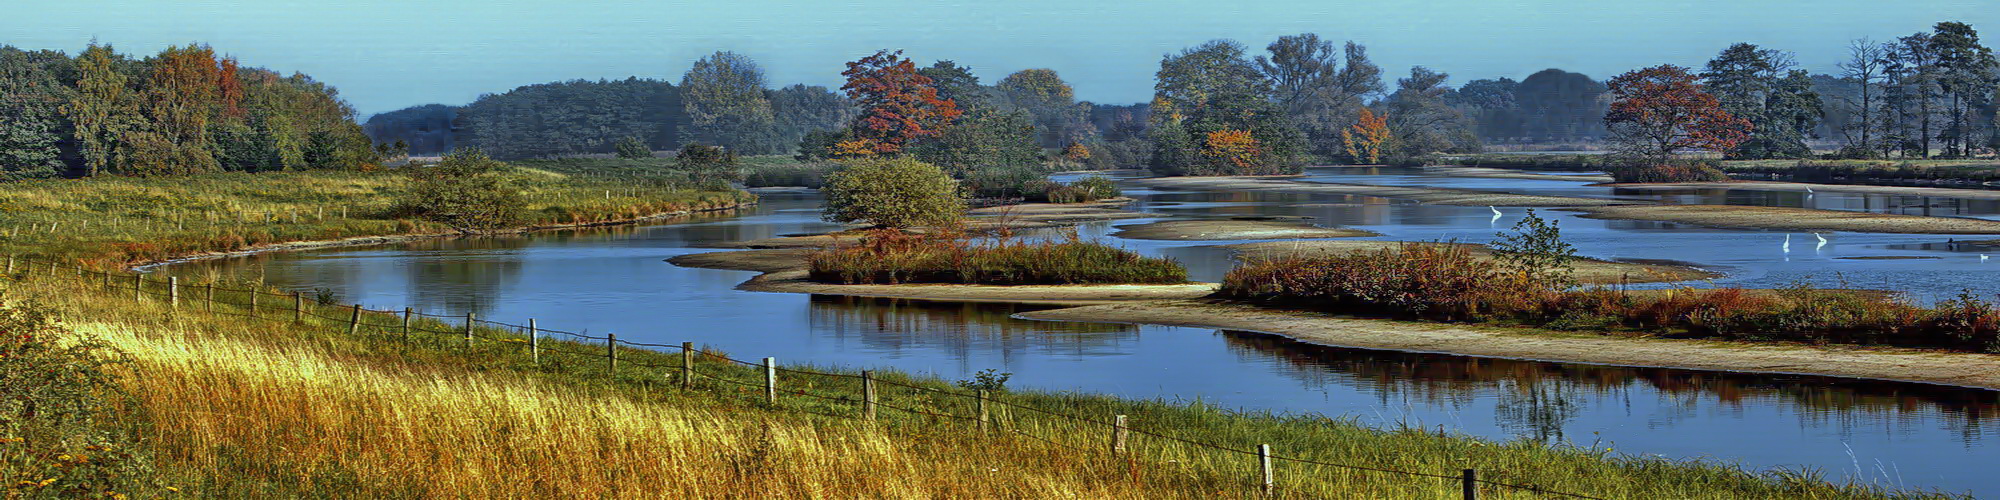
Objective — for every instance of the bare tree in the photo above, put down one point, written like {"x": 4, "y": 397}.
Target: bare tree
{"x": 1864, "y": 67}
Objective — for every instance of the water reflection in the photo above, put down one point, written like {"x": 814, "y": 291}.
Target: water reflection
{"x": 1538, "y": 399}
{"x": 959, "y": 328}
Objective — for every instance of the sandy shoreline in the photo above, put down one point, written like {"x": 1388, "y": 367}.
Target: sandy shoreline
{"x": 1439, "y": 196}
{"x": 1792, "y": 219}
{"x": 1232, "y": 229}
{"x": 1937, "y": 367}
{"x": 1801, "y": 187}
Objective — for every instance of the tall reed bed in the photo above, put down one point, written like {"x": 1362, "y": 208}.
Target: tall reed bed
{"x": 890, "y": 257}
{"x": 1442, "y": 282}
{"x": 235, "y": 402}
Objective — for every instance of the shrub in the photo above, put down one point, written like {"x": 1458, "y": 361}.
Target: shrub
{"x": 1537, "y": 253}
{"x": 1423, "y": 280}
{"x": 57, "y": 385}
{"x": 1667, "y": 172}
{"x": 802, "y": 174}
{"x": 708, "y": 166}
{"x": 891, "y": 257}
{"x": 465, "y": 191}
{"x": 891, "y": 192}
{"x": 631, "y": 148}
{"x": 1097, "y": 187}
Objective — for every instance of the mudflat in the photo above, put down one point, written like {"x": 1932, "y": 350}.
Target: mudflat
{"x": 1233, "y": 229}
{"x": 1440, "y": 196}
{"x": 1792, "y": 219}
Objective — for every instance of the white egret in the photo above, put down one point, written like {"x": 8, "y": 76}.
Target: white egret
{"x": 1982, "y": 257}
{"x": 1496, "y": 216}
{"x": 1788, "y": 243}
{"x": 1822, "y": 242}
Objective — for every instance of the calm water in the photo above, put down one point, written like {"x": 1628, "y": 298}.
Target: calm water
{"x": 616, "y": 280}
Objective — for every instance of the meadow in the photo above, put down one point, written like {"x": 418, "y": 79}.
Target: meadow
{"x": 110, "y": 221}
{"x": 214, "y": 399}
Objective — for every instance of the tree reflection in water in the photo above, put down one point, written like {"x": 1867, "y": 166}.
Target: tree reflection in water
{"x": 1538, "y": 399}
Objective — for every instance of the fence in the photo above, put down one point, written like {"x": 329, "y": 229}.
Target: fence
{"x": 862, "y": 392}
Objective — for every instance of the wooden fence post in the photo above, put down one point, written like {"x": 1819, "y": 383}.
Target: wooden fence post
{"x": 1119, "y": 433}
{"x": 10, "y": 263}
{"x": 174, "y": 292}
{"x": 138, "y": 286}
{"x": 1470, "y": 481}
{"x": 253, "y": 300}
{"x": 534, "y": 342}
{"x": 611, "y": 353}
{"x": 868, "y": 394}
{"x": 298, "y": 308}
{"x": 108, "y": 285}
{"x": 208, "y": 299}
{"x": 354, "y": 321}
{"x": 985, "y": 419}
{"x": 771, "y": 380}
{"x": 1264, "y": 464}
{"x": 687, "y": 365}
{"x": 468, "y": 328}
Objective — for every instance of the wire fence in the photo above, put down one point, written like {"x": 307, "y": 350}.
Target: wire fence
{"x": 860, "y": 391}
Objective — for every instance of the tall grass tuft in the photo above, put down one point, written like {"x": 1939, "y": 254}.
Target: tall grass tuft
{"x": 889, "y": 257}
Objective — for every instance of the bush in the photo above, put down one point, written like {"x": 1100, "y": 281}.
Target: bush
{"x": 801, "y": 174}
{"x": 1098, "y": 187}
{"x": 1667, "y": 172}
{"x": 709, "y": 167}
{"x": 57, "y": 385}
{"x": 891, "y": 192}
{"x": 1421, "y": 280}
{"x": 465, "y": 191}
{"x": 891, "y": 257}
{"x": 632, "y": 148}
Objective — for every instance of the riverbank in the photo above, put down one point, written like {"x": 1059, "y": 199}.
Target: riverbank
{"x": 1791, "y": 219}
{"x": 113, "y": 222}
{"x": 1910, "y": 365}
{"x": 1233, "y": 229}
{"x": 1587, "y": 271}
{"x": 1439, "y": 196}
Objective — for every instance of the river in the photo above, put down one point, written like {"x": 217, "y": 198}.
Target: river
{"x": 616, "y": 280}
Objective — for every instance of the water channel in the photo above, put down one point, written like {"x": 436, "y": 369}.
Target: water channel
{"x": 1897, "y": 434}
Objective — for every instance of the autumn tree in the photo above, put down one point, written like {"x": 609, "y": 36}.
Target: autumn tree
{"x": 1319, "y": 87}
{"x": 898, "y": 104}
{"x": 181, "y": 99}
{"x": 1214, "y": 87}
{"x": 1658, "y": 111}
{"x": 1232, "y": 152}
{"x": 1365, "y": 141}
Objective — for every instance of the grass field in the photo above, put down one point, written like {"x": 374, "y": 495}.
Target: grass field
{"x": 231, "y": 403}
{"x": 115, "y": 221}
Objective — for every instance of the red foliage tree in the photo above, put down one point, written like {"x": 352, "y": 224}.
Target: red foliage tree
{"x": 229, "y": 88}
{"x": 898, "y": 104}
{"x": 1660, "y": 110}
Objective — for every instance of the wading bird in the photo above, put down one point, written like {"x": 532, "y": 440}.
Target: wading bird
{"x": 1822, "y": 242}
{"x": 1788, "y": 243}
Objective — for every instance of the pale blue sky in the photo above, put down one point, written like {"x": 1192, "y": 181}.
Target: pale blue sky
{"x": 385, "y": 55}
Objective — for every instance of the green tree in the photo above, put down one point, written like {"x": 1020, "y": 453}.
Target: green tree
{"x": 1966, "y": 77}
{"x": 1316, "y": 90}
{"x": 1059, "y": 119}
{"x": 32, "y": 126}
{"x": 632, "y": 147}
{"x": 708, "y": 166}
{"x": 1214, "y": 89}
{"x": 723, "y": 95}
{"x": 1423, "y": 123}
{"x": 892, "y": 192}
{"x": 467, "y": 190}
{"x": 984, "y": 139}
{"x": 1746, "y": 79}
{"x": 104, "y": 106}
{"x": 958, "y": 84}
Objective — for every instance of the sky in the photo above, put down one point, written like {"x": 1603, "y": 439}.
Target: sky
{"x": 386, "y": 55}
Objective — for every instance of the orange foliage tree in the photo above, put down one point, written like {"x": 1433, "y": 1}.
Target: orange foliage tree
{"x": 182, "y": 96}
{"x": 898, "y": 105}
{"x": 1663, "y": 109}
{"x": 1366, "y": 140}
{"x": 1233, "y": 151}
{"x": 1076, "y": 151}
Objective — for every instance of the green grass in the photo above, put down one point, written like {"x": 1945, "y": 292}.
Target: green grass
{"x": 115, "y": 221}
{"x": 231, "y": 403}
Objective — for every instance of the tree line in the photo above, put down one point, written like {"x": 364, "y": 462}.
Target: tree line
{"x": 184, "y": 110}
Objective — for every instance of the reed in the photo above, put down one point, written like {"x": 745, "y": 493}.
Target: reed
{"x": 890, "y": 257}
{"x": 228, "y": 405}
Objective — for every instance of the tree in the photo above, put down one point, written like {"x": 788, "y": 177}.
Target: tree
{"x": 1232, "y": 152}
{"x": 892, "y": 193}
{"x": 1316, "y": 90}
{"x": 103, "y": 107}
{"x": 32, "y": 126}
{"x": 1745, "y": 79}
{"x": 1658, "y": 111}
{"x": 1913, "y": 70}
{"x": 1213, "y": 87}
{"x": 723, "y": 95}
{"x": 898, "y": 104}
{"x": 466, "y": 191}
{"x": 957, "y": 84}
{"x": 1560, "y": 106}
{"x": 1365, "y": 142}
{"x": 632, "y": 147}
{"x": 1490, "y": 104}
{"x": 804, "y": 109}
{"x": 1864, "y": 67}
{"x": 708, "y": 166}
{"x": 1422, "y": 121}
{"x": 571, "y": 117}
{"x": 182, "y": 98}
{"x": 1059, "y": 119}
{"x": 984, "y": 139}
{"x": 1965, "y": 73}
